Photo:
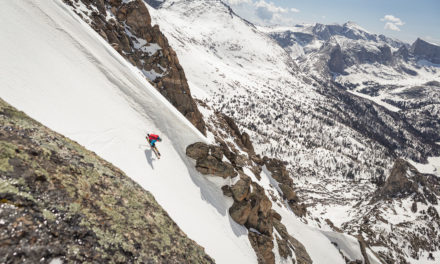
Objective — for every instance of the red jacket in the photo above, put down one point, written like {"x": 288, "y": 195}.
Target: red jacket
{"x": 153, "y": 136}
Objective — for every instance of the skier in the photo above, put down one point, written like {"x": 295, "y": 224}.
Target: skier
{"x": 152, "y": 139}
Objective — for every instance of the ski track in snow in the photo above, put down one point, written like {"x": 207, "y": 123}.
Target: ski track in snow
{"x": 64, "y": 75}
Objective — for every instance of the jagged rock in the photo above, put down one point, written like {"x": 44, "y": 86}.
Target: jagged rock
{"x": 299, "y": 209}
{"x": 133, "y": 17}
{"x": 302, "y": 257}
{"x": 275, "y": 215}
{"x": 240, "y": 190}
{"x": 226, "y": 189}
{"x": 256, "y": 170}
{"x": 263, "y": 246}
{"x": 243, "y": 140}
{"x": 216, "y": 152}
{"x": 213, "y": 166}
{"x": 278, "y": 170}
{"x": 260, "y": 217}
{"x": 288, "y": 193}
{"x": 283, "y": 248}
{"x": 197, "y": 150}
{"x": 247, "y": 143}
{"x": 227, "y": 152}
{"x": 398, "y": 184}
{"x": 240, "y": 212}
{"x": 257, "y": 159}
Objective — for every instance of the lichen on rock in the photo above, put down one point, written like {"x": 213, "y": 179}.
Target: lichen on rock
{"x": 60, "y": 201}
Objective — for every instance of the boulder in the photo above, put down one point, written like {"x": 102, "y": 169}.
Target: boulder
{"x": 226, "y": 191}
{"x": 240, "y": 211}
{"x": 197, "y": 150}
{"x": 275, "y": 215}
{"x": 216, "y": 152}
{"x": 213, "y": 166}
{"x": 240, "y": 190}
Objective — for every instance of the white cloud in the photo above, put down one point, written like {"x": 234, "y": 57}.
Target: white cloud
{"x": 392, "y": 22}
{"x": 238, "y": 2}
{"x": 263, "y": 12}
{"x": 391, "y": 26}
{"x": 267, "y": 10}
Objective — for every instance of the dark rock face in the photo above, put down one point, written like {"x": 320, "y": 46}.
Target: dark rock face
{"x": 427, "y": 51}
{"x": 336, "y": 61}
{"x": 398, "y": 183}
{"x": 405, "y": 180}
{"x": 60, "y": 201}
{"x": 156, "y": 59}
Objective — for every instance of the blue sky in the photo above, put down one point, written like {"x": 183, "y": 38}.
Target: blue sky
{"x": 402, "y": 19}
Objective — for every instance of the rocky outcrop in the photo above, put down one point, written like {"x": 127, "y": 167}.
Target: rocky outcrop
{"x": 426, "y": 50}
{"x": 211, "y": 165}
{"x": 404, "y": 181}
{"x": 263, "y": 246}
{"x": 209, "y": 160}
{"x": 281, "y": 175}
{"x": 242, "y": 139}
{"x": 336, "y": 61}
{"x": 59, "y": 201}
{"x": 126, "y": 25}
{"x": 290, "y": 243}
{"x": 251, "y": 207}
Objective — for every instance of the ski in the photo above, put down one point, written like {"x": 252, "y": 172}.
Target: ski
{"x": 155, "y": 150}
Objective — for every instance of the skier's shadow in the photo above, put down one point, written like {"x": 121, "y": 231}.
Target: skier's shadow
{"x": 149, "y": 156}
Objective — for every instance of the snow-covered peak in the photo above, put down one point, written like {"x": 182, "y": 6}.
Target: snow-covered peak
{"x": 352, "y": 25}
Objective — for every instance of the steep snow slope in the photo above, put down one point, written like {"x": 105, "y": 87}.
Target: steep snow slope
{"x": 59, "y": 71}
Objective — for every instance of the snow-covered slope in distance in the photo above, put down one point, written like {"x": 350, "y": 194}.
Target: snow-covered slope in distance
{"x": 59, "y": 71}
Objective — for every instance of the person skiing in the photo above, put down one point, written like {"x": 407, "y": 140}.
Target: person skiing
{"x": 153, "y": 138}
